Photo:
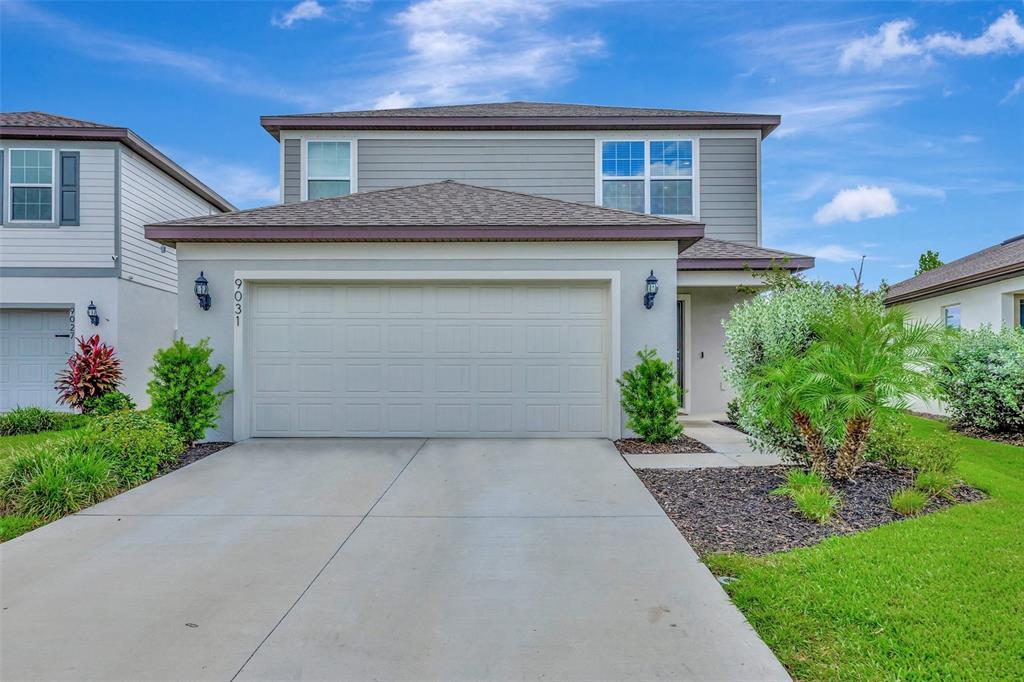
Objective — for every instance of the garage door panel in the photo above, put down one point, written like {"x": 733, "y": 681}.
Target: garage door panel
{"x": 413, "y": 359}
{"x": 32, "y": 356}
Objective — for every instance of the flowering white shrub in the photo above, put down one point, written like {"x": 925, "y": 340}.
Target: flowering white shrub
{"x": 983, "y": 379}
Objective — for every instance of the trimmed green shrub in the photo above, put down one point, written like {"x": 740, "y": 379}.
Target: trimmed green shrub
{"x": 23, "y": 420}
{"x": 108, "y": 403}
{"x": 650, "y": 398}
{"x": 53, "y": 483}
{"x": 136, "y": 444}
{"x": 982, "y": 380}
{"x": 908, "y": 502}
{"x": 13, "y": 526}
{"x": 184, "y": 388}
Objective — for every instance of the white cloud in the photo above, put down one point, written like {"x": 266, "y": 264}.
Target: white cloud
{"x": 461, "y": 50}
{"x": 242, "y": 185}
{"x": 826, "y": 108}
{"x": 1017, "y": 89}
{"x": 393, "y": 100}
{"x": 306, "y": 10}
{"x": 857, "y": 204}
{"x": 893, "y": 42}
{"x": 833, "y": 253}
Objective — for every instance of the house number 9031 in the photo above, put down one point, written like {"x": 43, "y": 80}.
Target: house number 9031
{"x": 238, "y": 302}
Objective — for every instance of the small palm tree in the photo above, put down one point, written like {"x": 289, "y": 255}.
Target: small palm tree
{"x": 866, "y": 362}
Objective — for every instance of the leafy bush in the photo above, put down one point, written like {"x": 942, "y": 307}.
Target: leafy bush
{"x": 936, "y": 453}
{"x": 184, "y": 388}
{"x": 94, "y": 369}
{"x": 23, "y": 420}
{"x": 53, "y": 483}
{"x": 108, "y": 403}
{"x": 816, "y": 505}
{"x": 982, "y": 380}
{"x": 136, "y": 444}
{"x": 890, "y": 443}
{"x": 650, "y": 398}
{"x": 908, "y": 502}
{"x": 13, "y": 526}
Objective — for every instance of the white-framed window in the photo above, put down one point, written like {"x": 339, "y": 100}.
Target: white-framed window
{"x": 328, "y": 168}
{"x": 648, "y": 176}
{"x": 30, "y": 185}
{"x": 951, "y": 316}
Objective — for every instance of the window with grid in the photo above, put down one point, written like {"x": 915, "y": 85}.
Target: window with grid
{"x": 653, "y": 176}
{"x": 31, "y": 185}
{"x": 328, "y": 169}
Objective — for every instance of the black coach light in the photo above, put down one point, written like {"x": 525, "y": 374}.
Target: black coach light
{"x": 203, "y": 291}
{"x": 94, "y": 316}
{"x": 652, "y": 291}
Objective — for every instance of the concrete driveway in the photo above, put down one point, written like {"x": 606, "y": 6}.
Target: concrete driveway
{"x": 374, "y": 559}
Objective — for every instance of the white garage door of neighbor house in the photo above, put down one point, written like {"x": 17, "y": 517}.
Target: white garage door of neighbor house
{"x": 459, "y": 360}
{"x": 34, "y": 347}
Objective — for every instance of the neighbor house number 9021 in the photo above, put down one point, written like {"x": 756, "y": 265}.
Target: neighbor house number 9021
{"x": 238, "y": 302}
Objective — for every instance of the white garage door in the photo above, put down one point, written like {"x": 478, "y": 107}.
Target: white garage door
{"x": 34, "y": 347}
{"x": 429, "y": 360}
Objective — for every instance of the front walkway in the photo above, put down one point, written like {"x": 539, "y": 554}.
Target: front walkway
{"x": 375, "y": 559}
{"x": 731, "y": 449}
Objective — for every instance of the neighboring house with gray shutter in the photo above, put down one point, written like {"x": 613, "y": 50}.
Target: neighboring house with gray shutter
{"x": 74, "y": 197}
{"x": 478, "y": 270}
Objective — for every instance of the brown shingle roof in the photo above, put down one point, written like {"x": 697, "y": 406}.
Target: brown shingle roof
{"x": 439, "y": 211}
{"x": 521, "y": 116}
{"x": 715, "y": 254}
{"x": 38, "y": 125}
{"x": 994, "y": 262}
{"x": 44, "y": 120}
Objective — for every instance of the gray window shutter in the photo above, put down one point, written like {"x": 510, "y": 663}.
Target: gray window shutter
{"x": 69, "y": 191}
{"x": 3, "y": 205}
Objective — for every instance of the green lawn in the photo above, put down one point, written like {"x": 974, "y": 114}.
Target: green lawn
{"x": 938, "y": 597}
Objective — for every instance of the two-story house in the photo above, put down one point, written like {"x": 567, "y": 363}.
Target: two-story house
{"x": 477, "y": 270}
{"x": 74, "y": 197}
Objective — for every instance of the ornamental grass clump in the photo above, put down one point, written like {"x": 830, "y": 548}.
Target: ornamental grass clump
{"x": 93, "y": 370}
{"x": 650, "y": 398}
{"x": 813, "y": 497}
{"x": 908, "y": 502}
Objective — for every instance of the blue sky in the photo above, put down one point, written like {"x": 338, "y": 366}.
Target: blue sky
{"x": 903, "y": 124}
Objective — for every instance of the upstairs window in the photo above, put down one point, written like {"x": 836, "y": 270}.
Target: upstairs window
{"x": 951, "y": 316}
{"x": 32, "y": 185}
{"x": 654, "y": 176}
{"x": 328, "y": 169}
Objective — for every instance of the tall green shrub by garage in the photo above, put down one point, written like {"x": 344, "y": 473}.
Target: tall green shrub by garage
{"x": 183, "y": 389}
{"x": 650, "y": 397}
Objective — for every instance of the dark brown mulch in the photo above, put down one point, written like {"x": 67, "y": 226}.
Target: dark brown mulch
{"x": 194, "y": 454}
{"x": 732, "y": 510}
{"x": 681, "y": 445}
{"x": 1005, "y": 437}
{"x": 732, "y": 425}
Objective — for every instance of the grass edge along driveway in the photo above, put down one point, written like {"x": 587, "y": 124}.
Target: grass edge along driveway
{"x": 937, "y": 597}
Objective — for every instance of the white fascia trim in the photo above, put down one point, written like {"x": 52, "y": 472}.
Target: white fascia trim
{"x": 243, "y": 278}
{"x": 194, "y": 251}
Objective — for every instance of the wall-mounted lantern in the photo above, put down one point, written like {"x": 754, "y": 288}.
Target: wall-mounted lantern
{"x": 94, "y": 315}
{"x": 203, "y": 291}
{"x": 652, "y": 291}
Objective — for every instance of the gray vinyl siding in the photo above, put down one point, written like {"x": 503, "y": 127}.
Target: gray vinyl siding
{"x": 728, "y": 188}
{"x": 148, "y": 195}
{"x": 555, "y": 168}
{"x": 292, "y": 171}
{"x": 90, "y": 243}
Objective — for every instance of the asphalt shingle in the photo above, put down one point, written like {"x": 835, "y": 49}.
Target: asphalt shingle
{"x": 999, "y": 259}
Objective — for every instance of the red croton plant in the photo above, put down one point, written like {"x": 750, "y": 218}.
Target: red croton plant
{"x": 94, "y": 369}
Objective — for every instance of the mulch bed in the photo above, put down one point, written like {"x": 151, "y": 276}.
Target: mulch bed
{"x": 732, "y": 510}
{"x": 681, "y": 445}
{"x": 974, "y": 432}
{"x": 194, "y": 454}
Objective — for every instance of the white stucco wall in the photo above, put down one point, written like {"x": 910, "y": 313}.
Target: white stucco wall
{"x": 991, "y": 304}
{"x": 632, "y": 261}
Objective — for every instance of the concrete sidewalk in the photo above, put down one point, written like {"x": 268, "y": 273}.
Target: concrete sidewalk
{"x": 375, "y": 559}
{"x": 731, "y": 449}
